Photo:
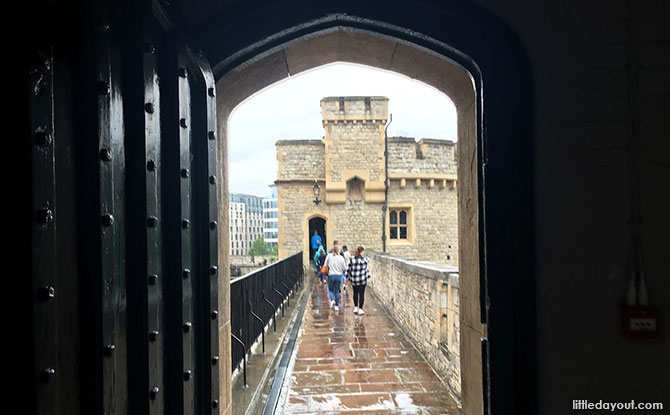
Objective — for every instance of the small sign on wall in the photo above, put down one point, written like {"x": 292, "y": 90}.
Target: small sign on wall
{"x": 639, "y": 322}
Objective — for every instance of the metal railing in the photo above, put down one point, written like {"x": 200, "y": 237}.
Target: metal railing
{"x": 255, "y": 299}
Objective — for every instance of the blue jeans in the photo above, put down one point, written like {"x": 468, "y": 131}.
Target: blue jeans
{"x": 334, "y": 282}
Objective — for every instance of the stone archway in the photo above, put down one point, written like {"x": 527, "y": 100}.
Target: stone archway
{"x": 306, "y": 228}
{"x": 364, "y": 47}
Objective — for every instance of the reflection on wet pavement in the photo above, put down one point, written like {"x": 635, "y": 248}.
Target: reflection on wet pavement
{"x": 354, "y": 364}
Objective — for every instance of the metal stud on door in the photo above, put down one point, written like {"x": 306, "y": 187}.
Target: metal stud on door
{"x": 111, "y": 173}
{"x": 154, "y": 236}
{"x": 205, "y": 151}
{"x": 187, "y": 234}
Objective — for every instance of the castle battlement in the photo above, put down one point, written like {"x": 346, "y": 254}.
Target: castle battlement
{"x": 427, "y": 158}
{"x": 354, "y": 109}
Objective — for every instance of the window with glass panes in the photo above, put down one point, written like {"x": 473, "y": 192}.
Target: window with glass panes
{"x": 398, "y": 223}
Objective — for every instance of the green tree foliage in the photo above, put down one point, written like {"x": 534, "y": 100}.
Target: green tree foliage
{"x": 258, "y": 247}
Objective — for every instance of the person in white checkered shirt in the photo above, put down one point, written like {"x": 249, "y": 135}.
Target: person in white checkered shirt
{"x": 358, "y": 274}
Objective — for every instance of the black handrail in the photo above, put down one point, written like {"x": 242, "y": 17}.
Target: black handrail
{"x": 249, "y": 304}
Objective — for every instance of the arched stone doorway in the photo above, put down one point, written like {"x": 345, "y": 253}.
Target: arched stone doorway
{"x": 318, "y": 225}
{"x": 343, "y": 38}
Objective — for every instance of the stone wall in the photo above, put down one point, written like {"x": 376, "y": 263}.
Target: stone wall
{"x": 423, "y": 298}
{"x": 294, "y": 201}
{"x": 354, "y": 146}
{"x": 300, "y": 159}
{"x": 435, "y": 221}
{"x": 357, "y": 223}
{"x": 352, "y": 223}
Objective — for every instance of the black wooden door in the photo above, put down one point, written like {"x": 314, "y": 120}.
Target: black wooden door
{"x": 124, "y": 231}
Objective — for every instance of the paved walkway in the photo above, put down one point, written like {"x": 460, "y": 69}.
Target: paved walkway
{"x": 353, "y": 364}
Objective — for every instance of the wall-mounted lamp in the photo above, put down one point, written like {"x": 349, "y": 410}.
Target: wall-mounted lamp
{"x": 317, "y": 192}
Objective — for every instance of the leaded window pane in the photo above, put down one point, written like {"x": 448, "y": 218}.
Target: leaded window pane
{"x": 403, "y": 217}
{"x": 394, "y": 217}
{"x": 403, "y": 232}
{"x": 394, "y": 233}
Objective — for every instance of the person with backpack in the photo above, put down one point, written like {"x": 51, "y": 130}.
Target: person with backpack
{"x": 315, "y": 242}
{"x": 319, "y": 260}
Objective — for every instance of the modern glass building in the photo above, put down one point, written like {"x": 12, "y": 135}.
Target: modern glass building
{"x": 246, "y": 222}
{"x": 270, "y": 218}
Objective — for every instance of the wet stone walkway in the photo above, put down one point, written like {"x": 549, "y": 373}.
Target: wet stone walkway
{"x": 351, "y": 364}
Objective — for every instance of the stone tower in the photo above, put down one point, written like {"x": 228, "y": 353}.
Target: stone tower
{"x": 349, "y": 166}
{"x": 354, "y": 147}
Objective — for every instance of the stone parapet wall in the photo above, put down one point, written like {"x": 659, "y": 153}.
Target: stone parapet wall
{"x": 405, "y": 155}
{"x": 423, "y": 298}
{"x": 355, "y": 108}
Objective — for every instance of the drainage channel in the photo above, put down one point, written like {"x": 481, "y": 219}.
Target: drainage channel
{"x": 278, "y": 381}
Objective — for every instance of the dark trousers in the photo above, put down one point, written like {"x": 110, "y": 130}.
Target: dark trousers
{"x": 359, "y": 295}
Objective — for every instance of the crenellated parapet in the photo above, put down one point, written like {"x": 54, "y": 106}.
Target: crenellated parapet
{"x": 365, "y": 110}
{"x": 428, "y": 162}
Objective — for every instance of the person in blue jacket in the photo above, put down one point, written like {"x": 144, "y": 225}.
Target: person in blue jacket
{"x": 316, "y": 242}
{"x": 319, "y": 260}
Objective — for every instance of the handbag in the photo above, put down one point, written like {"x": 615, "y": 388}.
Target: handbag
{"x": 325, "y": 268}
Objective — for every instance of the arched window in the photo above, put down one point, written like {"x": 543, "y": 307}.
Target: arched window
{"x": 398, "y": 224}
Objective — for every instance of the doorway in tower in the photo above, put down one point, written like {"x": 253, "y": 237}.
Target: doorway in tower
{"x": 317, "y": 225}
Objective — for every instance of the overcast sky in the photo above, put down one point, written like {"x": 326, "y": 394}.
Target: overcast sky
{"x": 290, "y": 110}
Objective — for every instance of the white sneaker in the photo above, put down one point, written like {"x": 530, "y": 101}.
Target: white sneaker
{"x": 332, "y": 303}
{"x": 337, "y": 308}
{"x": 355, "y": 310}
{"x": 360, "y": 312}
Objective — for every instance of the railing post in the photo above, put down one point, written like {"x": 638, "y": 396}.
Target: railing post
{"x": 244, "y": 358}
{"x": 274, "y": 288}
{"x": 274, "y": 312}
{"x": 288, "y": 294}
{"x": 262, "y": 326}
